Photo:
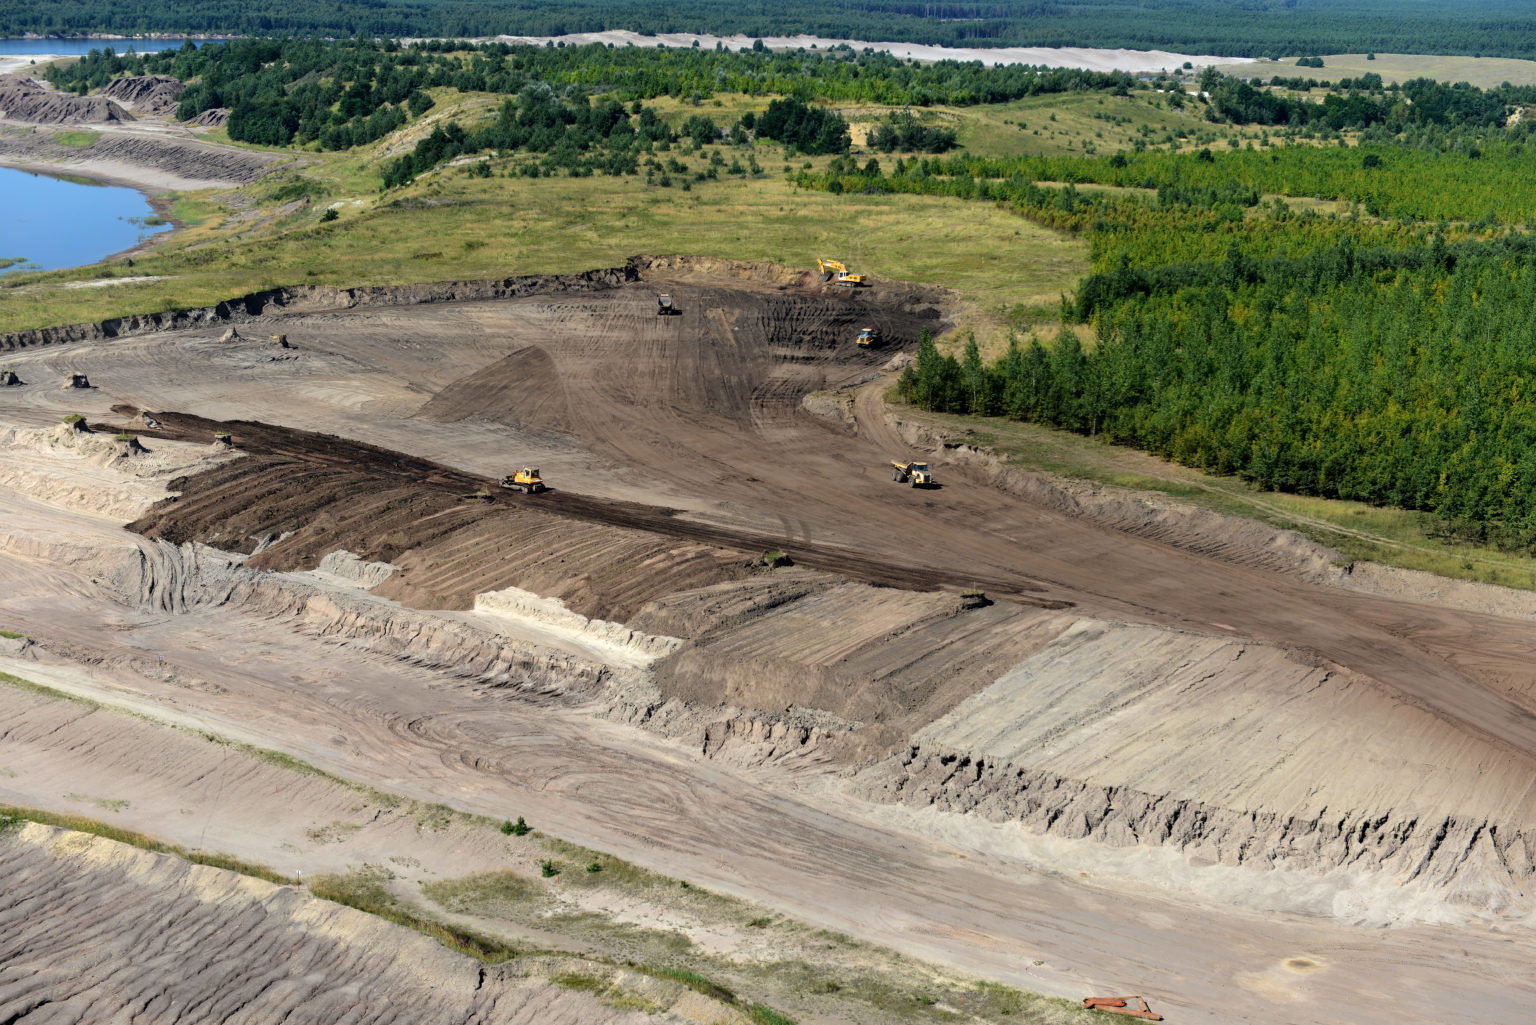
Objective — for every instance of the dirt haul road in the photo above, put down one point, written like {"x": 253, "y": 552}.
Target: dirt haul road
{"x": 679, "y": 448}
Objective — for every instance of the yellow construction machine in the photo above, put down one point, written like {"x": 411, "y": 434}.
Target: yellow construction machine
{"x": 870, "y": 336}
{"x": 915, "y": 474}
{"x": 526, "y": 480}
{"x": 837, "y": 273}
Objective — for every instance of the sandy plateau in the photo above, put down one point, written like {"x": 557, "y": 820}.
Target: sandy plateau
{"x": 1168, "y": 753}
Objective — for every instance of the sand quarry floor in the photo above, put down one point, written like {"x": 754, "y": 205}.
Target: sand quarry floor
{"x": 1170, "y": 756}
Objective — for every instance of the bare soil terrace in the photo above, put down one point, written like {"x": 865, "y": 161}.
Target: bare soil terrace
{"x": 1179, "y": 707}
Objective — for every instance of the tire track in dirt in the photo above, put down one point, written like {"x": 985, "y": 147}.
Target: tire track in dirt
{"x": 304, "y": 473}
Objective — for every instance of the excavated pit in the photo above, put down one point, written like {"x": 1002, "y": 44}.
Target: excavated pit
{"x": 1139, "y": 677}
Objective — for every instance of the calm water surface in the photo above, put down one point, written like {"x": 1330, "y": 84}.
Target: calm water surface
{"x": 81, "y": 47}
{"x": 52, "y": 223}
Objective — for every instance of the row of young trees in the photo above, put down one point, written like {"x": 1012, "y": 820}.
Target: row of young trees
{"x": 1486, "y": 181}
{"x": 1411, "y": 388}
{"x": 1419, "y": 101}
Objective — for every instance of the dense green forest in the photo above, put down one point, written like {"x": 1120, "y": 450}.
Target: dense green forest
{"x": 1232, "y": 27}
{"x": 1390, "y": 361}
{"x": 267, "y": 67}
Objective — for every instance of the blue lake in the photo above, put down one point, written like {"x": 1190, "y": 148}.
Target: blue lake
{"x": 52, "y": 223}
{"x": 81, "y": 47}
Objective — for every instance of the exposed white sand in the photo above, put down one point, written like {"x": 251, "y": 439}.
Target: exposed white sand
{"x": 1054, "y": 57}
{"x": 109, "y": 282}
{"x": 10, "y": 62}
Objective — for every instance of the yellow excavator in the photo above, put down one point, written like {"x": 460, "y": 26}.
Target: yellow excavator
{"x": 837, "y": 273}
{"x": 526, "y": 480}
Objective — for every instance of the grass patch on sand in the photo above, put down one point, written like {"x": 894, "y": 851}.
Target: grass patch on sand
{"x": 367, "y": 889}
{"x": 13, "y": 815}
{"x": 76, "y": 139}
{"x": 17, "y": 683}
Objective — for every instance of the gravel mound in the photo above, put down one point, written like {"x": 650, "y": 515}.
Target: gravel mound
{"x": 24, "y": 99}
{"x": 145, "y": 94}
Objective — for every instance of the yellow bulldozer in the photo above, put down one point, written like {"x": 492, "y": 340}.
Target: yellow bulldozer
{"x": 837, "y": 274}
{"x": 870, "y": 336}
{"x": 915, "y": 474}
{"x": 526, "y": 480}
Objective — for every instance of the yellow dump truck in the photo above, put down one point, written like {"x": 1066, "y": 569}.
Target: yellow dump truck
{"x": 870, "y": 336}
{"x": 915, "y": 474}
{"x": 526, "y": 480}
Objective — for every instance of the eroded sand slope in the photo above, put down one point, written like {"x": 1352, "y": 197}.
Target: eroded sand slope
{"x": 96, "y": 931}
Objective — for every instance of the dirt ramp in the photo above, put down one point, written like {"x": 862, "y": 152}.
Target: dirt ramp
{"x": 523, "y": 388}
{"x": 297, "y": 497}
{"x": 241, "y": 950}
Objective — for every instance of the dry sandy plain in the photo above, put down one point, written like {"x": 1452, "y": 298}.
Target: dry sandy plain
{"x": 1171, "y": 754}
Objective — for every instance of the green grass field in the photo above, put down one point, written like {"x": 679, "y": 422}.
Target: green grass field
{"x": 449, "y": 225}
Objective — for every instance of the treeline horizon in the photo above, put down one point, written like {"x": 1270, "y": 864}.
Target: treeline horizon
{"x": 352, "y": 92}
{"x": 1252, "y": 28}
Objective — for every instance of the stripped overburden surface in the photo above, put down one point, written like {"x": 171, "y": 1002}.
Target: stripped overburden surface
{"x": 726, "y": 642}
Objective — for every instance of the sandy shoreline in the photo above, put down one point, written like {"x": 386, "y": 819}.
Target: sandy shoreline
{"x": 148, "y": 180}
{"x": 11, "y": 63}
{"x": 1083, "y": 58}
